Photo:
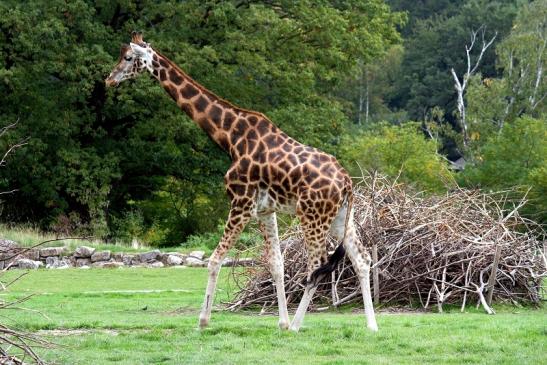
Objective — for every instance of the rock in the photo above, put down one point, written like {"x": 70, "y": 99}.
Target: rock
{"x": 28, "y": 264}
{"x": 181, "y": 255}
{"x": 149, "y": 256}
{"x": 50, "y": 261}
{"x": 174, "y": 260}
{"x": 127, "y": 259}
{"x": 197, "y": 254}
{"x": 8, "y": 251}
{"x": 6, "y": 245}
{"x": 194, "y": 262}
{"x": 53, "y": 262}
{"x": 32, "y": 254}
{"x": 71, "y": 260}
{"x": 117, "y": 256}
{"x": 51, "y": 251}
{"x": 156, "y": 264}
{"x": 109, "y": 264}
{"x": 85, "y": 267}
{"x": 228, "y": 261}
{"x": 100, "y": 256}
{"x": 83, "y": 262}
{"x": 164, "y": 257}
{"x": 84, "y": 252}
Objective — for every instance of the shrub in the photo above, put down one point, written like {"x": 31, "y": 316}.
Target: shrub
{"x": 516, "y": 157}
{"x": 398, "y": 151}
{"x": 210, "y": 240}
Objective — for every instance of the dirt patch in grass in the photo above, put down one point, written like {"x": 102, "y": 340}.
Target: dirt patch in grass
{"x": 181, "y": 311}
{"x": 75, "y": 332}
{"x": 394, "y": 311}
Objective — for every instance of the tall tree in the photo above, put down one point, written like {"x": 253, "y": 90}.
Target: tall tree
{"x": 96, "y": 154}
{"x": 435, "y": 46}
{"x": 522, "y": 87}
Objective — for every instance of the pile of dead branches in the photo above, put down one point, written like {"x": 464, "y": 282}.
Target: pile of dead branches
{"x": 463, "y": 247}
{"x": 16, "y": 346}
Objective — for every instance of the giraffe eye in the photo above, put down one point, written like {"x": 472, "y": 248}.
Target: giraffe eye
{"x": 128, "y": 58}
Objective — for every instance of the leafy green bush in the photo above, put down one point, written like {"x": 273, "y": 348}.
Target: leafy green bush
{"x": 128, "y": 227}
{"x": 516, "y": 157}
{"x": 210, "y": 240}
{"x": 398, "y": 151}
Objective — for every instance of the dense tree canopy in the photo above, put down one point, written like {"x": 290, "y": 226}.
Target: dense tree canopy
{"x": 111, "y": 157}
{"x": 127, "y": 163}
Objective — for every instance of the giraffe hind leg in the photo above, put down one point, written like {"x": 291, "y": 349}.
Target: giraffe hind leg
{"x": 315, "y": 235}
{"x": 329, "y": 267}
{"x": 361, "y": 261}
{"x": 268, "y": 226}
{"x": 359, "y": 258}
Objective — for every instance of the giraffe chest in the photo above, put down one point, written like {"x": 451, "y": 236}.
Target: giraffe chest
{"x": 267, "y": 203}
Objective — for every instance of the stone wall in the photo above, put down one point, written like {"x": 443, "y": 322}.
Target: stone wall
{"x": 88, "y": 257}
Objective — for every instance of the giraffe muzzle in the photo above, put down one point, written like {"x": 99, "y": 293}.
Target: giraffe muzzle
{"x": 110, "y": 82}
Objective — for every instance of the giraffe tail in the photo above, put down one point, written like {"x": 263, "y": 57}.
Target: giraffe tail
{"x": 339, "y": 252}
{"x": 329, "y": 267}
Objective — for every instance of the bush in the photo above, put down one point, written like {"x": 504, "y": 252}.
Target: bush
{"x": 128, "y": 227}
{"x": 210, "y": 240}
{"x": 516, "y": 157}
{"x": 398, "y": 151}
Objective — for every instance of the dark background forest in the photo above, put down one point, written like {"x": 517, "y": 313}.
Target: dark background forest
{"x": 366, "y": 80}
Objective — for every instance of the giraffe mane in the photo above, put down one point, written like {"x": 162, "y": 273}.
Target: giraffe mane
{"x": 209, "y": 92}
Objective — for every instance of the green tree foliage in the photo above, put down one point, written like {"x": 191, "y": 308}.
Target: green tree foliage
{"x": 437, "y": 44}
{"x": 517, "y": 157}
{"x": 522, "y": 87}
{"x": 369, "y": 90}
{"x": 115, "y": 157}
{"x": 399, "y": 151}
{"x": 423, "y": 9}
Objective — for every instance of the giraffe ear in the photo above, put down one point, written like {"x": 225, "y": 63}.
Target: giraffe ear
{"x": 138, "y": 49}
{"x": 136, "y": 37}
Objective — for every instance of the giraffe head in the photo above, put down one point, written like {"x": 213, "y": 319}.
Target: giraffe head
{"x": 134, "y": 59}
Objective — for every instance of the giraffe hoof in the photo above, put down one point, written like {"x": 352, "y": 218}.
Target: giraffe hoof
{"x": 203, "y": 323}
{"x": 373, "y": 327}
{"x": 294, "y": 329}
{"x": 283, "y": 325}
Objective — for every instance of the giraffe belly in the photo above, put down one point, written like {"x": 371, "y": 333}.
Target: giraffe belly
{"x": 267, "y": 204}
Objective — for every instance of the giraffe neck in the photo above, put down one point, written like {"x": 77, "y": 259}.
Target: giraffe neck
{"x": 226, "y": 124}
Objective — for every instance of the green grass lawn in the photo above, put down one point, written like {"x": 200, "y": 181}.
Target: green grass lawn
{"x": 150, "y": 316}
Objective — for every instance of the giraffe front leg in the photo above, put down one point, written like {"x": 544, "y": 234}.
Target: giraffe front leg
{"x": 268, "y": 226}
{"x": 234, "y": 226}
{"x": 315, "y": 236}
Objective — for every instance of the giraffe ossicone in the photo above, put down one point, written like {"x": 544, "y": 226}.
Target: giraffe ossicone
{"x": 270, "y": 173}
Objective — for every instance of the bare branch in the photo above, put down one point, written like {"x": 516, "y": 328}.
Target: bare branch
{"x": 11, "y": 149}
{"x": 430, "y": 248}
{"x": 471, "y": 69}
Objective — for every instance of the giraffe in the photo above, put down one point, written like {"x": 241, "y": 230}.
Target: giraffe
{"x": 270, "y": 173}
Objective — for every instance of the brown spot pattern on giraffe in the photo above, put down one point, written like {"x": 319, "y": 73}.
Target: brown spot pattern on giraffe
{"x": 201, "y": 104}
{"x": 188, "y": 91}
{"x": 163, "y": 75}
{"x": 175, "y": 77}
{"x": 264, "y": 157}
{"x": 215, "y": 113}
